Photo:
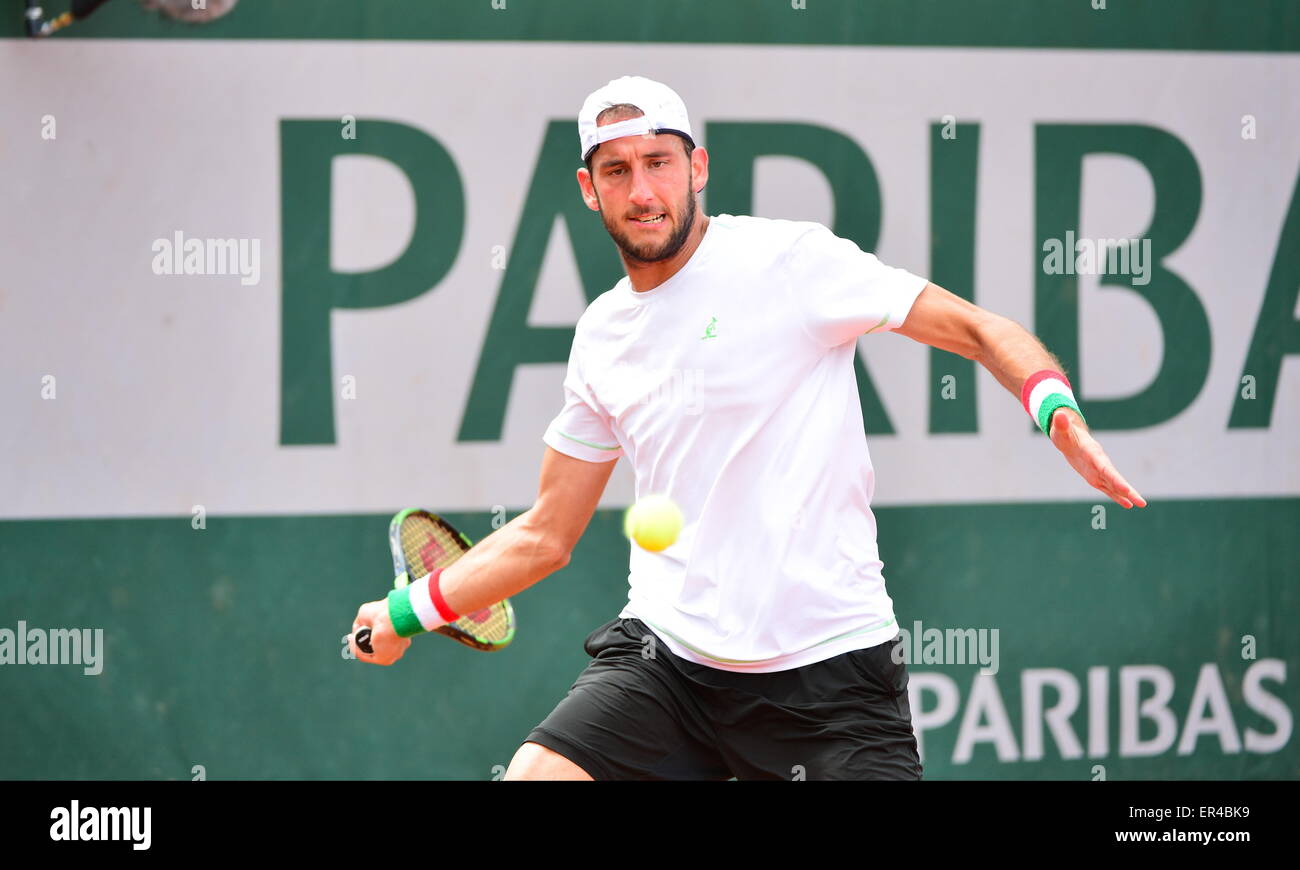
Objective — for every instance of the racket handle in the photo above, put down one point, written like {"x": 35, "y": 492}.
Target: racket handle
{"x": 363, "y": 641}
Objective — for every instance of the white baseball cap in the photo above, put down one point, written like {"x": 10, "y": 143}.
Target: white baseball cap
{"x": 664, "y": 112}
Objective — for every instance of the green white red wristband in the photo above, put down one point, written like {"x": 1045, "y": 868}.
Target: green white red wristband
{"x": 419, "y": 606}
{"x": 1043, "y": 394}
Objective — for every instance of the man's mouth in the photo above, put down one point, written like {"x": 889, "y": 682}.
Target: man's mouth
{"x": 649, "y": 219}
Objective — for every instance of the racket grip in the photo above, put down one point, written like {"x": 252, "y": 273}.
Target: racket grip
{"x": 363, "y": 641}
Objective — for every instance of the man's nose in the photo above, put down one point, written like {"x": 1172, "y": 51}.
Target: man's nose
{"x": 642, "y": 193}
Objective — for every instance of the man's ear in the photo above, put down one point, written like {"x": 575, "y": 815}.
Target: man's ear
{"x": 700, "y": 168}
{"x": 587, "y": 189}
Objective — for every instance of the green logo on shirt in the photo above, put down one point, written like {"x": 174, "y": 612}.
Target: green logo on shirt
{"x": 708, "y": 330}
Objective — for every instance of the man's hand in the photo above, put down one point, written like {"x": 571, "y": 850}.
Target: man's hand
{"x": 1071, "y": 437}
{"x": 387, "y": 646}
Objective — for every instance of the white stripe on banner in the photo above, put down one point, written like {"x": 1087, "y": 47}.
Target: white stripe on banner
{"x": 126, "y": 391}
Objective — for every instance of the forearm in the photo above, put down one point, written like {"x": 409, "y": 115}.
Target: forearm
{"x": 503, "y": 564}
{"x": 1011, "y": 353}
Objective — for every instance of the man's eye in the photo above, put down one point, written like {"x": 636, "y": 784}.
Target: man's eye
{"x": 659, "y": 163}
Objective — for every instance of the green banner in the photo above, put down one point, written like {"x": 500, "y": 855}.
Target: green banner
{"x": 1175, "y": 25}
{"x": 222, "y": 646}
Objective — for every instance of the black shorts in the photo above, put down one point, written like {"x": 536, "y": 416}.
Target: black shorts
{"x": 638, "y": 711}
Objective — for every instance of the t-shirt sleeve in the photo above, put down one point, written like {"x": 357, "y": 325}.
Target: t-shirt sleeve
{"x": 581, "y": 429}
{"x": 843, "y": 292}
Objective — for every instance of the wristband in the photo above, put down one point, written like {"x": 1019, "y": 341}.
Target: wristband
{"x": 1043, "y": 394}
{"x": 419, "y": 606}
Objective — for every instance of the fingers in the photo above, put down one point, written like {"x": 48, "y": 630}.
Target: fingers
{"x": 1123, "y": 493}
{"x": 386, "y": 645}
{"x": 1087, "y": 457}
{"x": 1106, "y": 482}
{"x": 1107, "y": 477}
{"x": 363, "y": 620}
{"x": 1114, "y": 485}
{"x": 1130, "y": 497}
{"x": 357, "y": 652}
{"x": 1095, "y": 467}
{"x": 368, "y": 617}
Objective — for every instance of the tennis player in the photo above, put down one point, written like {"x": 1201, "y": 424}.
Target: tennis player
{"x": 761, "y": 644}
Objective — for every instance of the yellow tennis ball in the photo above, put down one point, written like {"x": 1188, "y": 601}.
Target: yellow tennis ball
{"x": 654, "y": 522}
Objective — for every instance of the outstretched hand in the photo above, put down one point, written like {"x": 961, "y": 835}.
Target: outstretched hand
{"x": 1071, "y": 436}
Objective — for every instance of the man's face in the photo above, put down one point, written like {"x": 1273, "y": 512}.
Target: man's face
{"x": 643, "y": 186}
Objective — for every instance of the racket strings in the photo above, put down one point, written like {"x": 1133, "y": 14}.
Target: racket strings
{"x": 428, "y": 545}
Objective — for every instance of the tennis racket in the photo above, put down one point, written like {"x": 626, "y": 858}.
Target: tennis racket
{"x": 181, "y": 10}
{"x": 38, "y": 26}
{"x": 423, "y": 542}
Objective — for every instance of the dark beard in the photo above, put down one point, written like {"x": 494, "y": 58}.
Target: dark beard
{"x": 671, "y": 245}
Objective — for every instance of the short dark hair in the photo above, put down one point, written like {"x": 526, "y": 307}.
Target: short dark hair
{"x": 625, "y": 111}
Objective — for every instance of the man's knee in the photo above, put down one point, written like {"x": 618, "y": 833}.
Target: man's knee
{"x": 534, "y": 761}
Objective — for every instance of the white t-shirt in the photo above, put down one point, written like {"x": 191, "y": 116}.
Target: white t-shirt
{"x": 730, "y": 388}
